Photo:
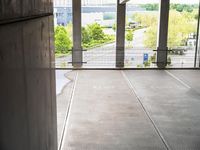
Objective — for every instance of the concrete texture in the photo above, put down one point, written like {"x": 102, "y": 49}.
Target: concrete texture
{"x": 134, "y": 110}
{"x": 27, "y": 97}
{"x": 190, "y": 77}
{"x": 63, "y": 102}
{"x": 162, "y": 50}
{"x": 61, "y": 80}
{"x": 15, "y": 9}
{"x": 77, "y": 53}
{"x": 120, "y": 37}
{"x": 106, "y": 115}
{"x": 172, "y": 100}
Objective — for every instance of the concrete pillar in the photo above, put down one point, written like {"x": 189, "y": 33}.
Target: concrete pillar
{"x": 162, "y": 49}
{"x": 77, "y": 53}
{"x": 120, "y": 39}
{"x": 27, "y": 76}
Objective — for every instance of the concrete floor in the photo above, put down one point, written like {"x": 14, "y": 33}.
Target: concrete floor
{"x": 134, "y": 110}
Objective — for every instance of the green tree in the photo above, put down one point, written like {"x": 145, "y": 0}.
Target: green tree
{"x": 183, "y": 7}
{"x": 146, "y": 19}
{"x": 93, "y": 35}
{"x": 63, "y": 42}
{"x": 129, "y": 36}
{"x": 189, "y": 9}
{"x": 69, "y": 29}
{"x": 150, "y": 40}
{"x": 86, "y": 38}
{"x": 95, "y": 31}
{"x": 114, "y": 26}
{"x": 179, "y": 8}
{"x": 150, "y": 7}
{"x": 173, "y": 6}
{"x": 181, "y": 24}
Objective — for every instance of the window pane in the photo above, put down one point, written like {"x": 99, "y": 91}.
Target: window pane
{"x": 182, "y": 33}
{"x": 141, "y": 33}
{"x": 63, "y": 33}
{"x": 99, "y": 33}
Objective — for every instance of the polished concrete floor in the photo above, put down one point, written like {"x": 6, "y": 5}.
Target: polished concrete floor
{"x": 131, "y": 110}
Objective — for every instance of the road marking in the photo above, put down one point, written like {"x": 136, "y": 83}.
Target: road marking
{"x": 179, "y": 80}
{"x": 145, "y": 111}
{"x": 66, "y": 121}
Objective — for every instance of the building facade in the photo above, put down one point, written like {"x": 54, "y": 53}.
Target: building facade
{"x": 63, "y": 14}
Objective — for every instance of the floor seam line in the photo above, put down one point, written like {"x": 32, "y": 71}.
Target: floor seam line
{"x": 63, "y": 135}
{"x": 145, "y": 111}
{"x": 179, "y": 80}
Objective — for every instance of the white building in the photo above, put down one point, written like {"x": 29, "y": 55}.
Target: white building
{"x": 90, "y": 18}
{"x": 62, "y": 3}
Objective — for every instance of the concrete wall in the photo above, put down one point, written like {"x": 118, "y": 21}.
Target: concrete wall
{"x": 12, "y": 9}
{"x": 27, "y": 80}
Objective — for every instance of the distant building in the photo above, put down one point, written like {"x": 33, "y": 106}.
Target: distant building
{"x": 63, "y": 14}
{"x": 63, "y": 3}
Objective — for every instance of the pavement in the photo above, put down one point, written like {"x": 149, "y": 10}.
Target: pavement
{"x": 61, "y": 80}
{"x": 133, "y": 110}
{"x": 64, "y": 89}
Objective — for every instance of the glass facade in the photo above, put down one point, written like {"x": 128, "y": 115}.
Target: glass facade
{"x": 141, "y": 40}
{"x": 141, "y": 34}
{"x": 182, "y": 34}
{"x": 63, "y": 33}
{"x": 99, "y": 33}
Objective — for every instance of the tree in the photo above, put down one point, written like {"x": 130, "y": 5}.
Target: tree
{"x": 179, "y": 8}
{"x": 129, "y": 36}
{"x": 95, "y": 31}
{"x": 189, "y": 9}
{"x": 150, "y": 40}
{"x": 69, "y": 29}
{"x": 145, "y": 19}
{"x": 181, "y": 24}
{"x": 85, "y": 36}
{"x": 183, "y": 7}
{"x": 63, "y": 42}
{"x": 150, "y": 7}
{"x": 93, "y": 35}
{"x": 114, "y": 26}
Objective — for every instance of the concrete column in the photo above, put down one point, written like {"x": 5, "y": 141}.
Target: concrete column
{"x": 27, "y": 76}
{"x": 162, "y": 49}
{"x": 120, "y": 39}
{"x": 77, "y": 54}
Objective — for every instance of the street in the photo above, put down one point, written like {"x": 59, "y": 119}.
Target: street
{"x": 105, "y": 56}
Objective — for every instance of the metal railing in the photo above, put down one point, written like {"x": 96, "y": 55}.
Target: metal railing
{"x": 138, "y": 57}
